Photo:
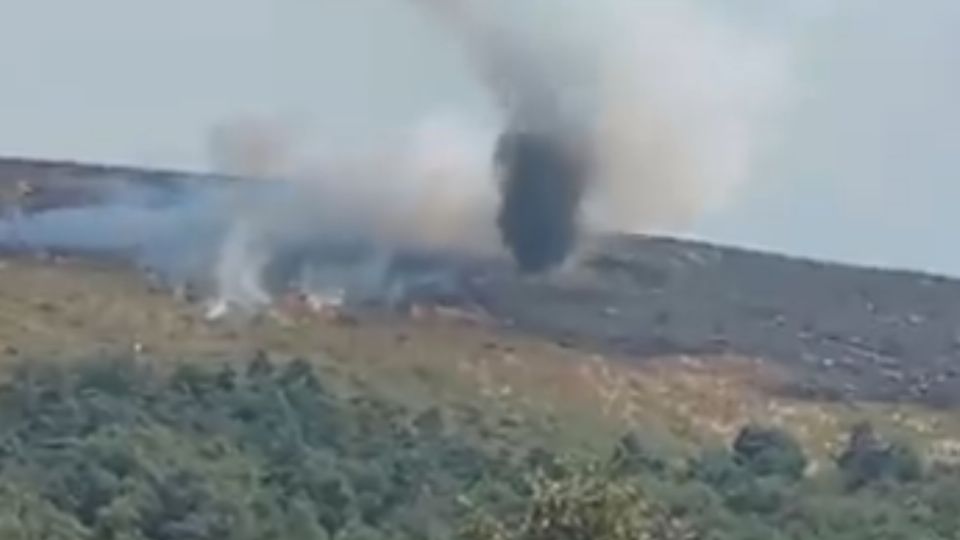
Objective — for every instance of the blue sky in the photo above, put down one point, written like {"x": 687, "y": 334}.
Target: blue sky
{"x": 865, "y": 166}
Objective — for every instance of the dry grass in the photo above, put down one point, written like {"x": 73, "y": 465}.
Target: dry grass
{"x": 75, "y": 309}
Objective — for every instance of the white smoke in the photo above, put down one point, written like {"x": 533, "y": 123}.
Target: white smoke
{"x": 675, "y": 100}
{"x": 685, "y": 103}
{"x": 432, "y": 191}
{"x": 672, "y": 99}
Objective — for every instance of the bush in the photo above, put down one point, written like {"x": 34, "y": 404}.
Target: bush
{"x": 114, "y": 450}
{"x": 868, "y": 460}
{"x": 588, "y": 502}
{"x": 769, "y": 452}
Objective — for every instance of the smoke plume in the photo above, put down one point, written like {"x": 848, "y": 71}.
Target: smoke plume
{"x": 608, "y": 115}
{"x": 542, "y": 183}
{"x": 642, "y": 115}
{"x": 541, "y": 165}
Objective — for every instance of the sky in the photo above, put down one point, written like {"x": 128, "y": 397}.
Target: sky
{"x": 863, "y": 167}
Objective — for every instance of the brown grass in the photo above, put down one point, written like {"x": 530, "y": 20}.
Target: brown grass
{"x": 75, "y": 309}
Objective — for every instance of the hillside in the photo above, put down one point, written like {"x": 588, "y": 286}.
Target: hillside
{"x": 841, "y": 332}
{"x": 676, "y": 344}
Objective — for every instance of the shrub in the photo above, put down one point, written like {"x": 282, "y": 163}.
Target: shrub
{"x": 113, "y": 450}
{"x": 769, "y": 452}
{"x": 588, "y": 502}
{"x": 868, "y": 459}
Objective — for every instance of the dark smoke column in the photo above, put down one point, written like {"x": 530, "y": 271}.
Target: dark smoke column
{"x": 542, "y": 170}
{"x": 540, "y": 159}
{"x": 542, "y": 180}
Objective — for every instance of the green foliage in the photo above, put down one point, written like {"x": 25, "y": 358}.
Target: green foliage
{"x": 586, "y": 502}
{"x": 869, "y": 460}
{"x": 115, "y": 450}
{"x": 769, "y": 452}
{"x": 750, "y": 491}
{"x": 25, "y": 515}
{"x": 635, "y": 453}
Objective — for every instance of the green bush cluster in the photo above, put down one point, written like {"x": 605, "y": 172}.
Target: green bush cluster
{"x": 114, "y": 450}
{"x": 754, "y": 490}
{"x": 117, "y": 450}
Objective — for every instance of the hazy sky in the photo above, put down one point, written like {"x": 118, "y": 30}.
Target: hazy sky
{"x": 865, "y": 166}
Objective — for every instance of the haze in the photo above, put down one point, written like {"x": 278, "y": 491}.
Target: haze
{"x": 861, "y": 167}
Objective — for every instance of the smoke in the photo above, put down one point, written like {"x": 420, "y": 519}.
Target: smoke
{"x": 687, "y": 105}
{"x": 627, "y": 116}
{"x": 542, "y": 183}
{"x": 342, "y": 226}
{"x": 613, "y": 116}
{"x": 292, "y": 218}
{"x": 540, "y": 165}
{"x": 640, "y": 115}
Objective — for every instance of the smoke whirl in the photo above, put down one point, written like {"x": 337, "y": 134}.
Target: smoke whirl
{"x": 539, "y": 157}
{"x": 542, "y": 184}
{"x": 624, "y": 116}
{"x": 540, "y": 163}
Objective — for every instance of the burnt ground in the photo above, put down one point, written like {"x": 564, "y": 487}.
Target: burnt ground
{"x": 843, "y": 332}
{"x": 840, "y": 332}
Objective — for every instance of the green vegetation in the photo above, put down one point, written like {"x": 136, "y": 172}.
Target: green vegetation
{"x": 115, "y": 450}
{"x": 119, "y": 450}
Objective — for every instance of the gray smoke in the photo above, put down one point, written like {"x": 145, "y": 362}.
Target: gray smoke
{"x": 609, "y": 115}
{"x": 542, "y": 183}
{"x": 542, "y": 165}
{"x": 636, "y": 116}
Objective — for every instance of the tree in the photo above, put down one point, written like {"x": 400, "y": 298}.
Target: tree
{"x": 869, "y": 459}
{"x": 769, "y": 452}
{"x": 635, "y": 453}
